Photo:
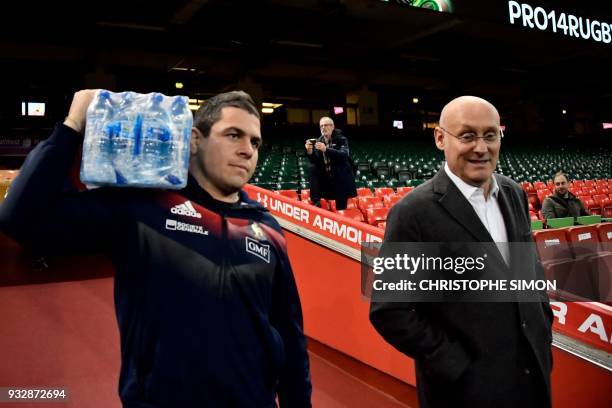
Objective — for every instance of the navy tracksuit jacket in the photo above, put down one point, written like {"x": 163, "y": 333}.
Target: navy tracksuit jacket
{"x": 207, "y": 306}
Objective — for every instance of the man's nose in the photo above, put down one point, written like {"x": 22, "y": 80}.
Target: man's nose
{"x": 246, "y": 149}
{"x": 481, "y": 146}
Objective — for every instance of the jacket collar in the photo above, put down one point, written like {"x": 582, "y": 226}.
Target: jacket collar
{"x": 457, "y": 205}
{"x": 195, "y": 192}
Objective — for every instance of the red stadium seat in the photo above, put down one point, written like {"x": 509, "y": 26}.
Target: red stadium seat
{"x": 578, "y": 184}
{"x": 593, "y": 206}
{"x": 584, "y": 199}
{"x": 539, "y": 185}
{"x": 382, "y": 225}
{"x": 351, "y": 202}
{"x": 533, "y": 200}
{"x": 305, "y": 194}
{"x": 599, "y": 197}
{"x": 589, "y": 183}
{"x": 533, "y": 216}
{"x": 542, "y": 194}
{"x": 604, "y": 230}
{"x": 375, "y": 216}
{"x": 552, "y": 245}
{"x": 571, "y": 275}
{"x": 606, "y": 208}
{"x": 364, "y": 192}
{"x": 404, "y": 190}
{"x": 527, "y": 186}
{"x": 352, "y": 213}
{"x": 584, "y": 240}
{"x": 289, "y": 193}
{"x": 390, "y": 200}
{"x": 383, "y": 191}
{"x": 369, "y": 202}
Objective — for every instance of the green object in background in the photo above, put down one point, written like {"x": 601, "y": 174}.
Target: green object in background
{"x": 560, "y": 222}
{"x": 437, "y": 5}
{"x": 537, "y": 225}
{"x": 589, "y": 219}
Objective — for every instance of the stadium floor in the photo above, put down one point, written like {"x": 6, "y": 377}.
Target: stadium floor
{"x": 65, "y": 335}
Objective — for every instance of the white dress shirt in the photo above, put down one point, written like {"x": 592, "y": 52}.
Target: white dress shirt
{"x": 487, "y": 210}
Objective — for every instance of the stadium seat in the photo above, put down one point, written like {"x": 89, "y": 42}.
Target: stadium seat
{"x": 604, "y": 231}
{"x": 578, "y": 184}
{"x": 351, "y": 202}
{"x": 542, "y": 194}
{"x": 606, "y": 208}
{"x": 383, "y": 191}
{"x": 352, "y": 213}
{"x": 382, "y": 225}
{"x": 592, "y": 206}
{"x": 552, "y": 245}
{"x": 540, "y": 185}
{"x": 533, "y": 200}
{"x": 305, "y": 194}
{"x": 376, "y": 215}
{"x": 584, "y": 240}
{"x": 404, "y": 190}
{"x": 527, "y": 186}
{"x": 571, "y": 275}
{"x": 364, "y": 192}
{"x": 391, "y": 199}
{"x": 586, "y": 244}
{"x": 369, "y": 202}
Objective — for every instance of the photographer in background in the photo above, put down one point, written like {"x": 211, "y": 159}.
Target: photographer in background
{"x": 331, "y": 175}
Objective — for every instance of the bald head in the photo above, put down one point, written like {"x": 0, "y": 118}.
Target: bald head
{"x": 469, "y": 136}
{"x": 465, "y": 106}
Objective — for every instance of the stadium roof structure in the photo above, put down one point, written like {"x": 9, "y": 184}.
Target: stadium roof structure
{"x": 308, "y": 49}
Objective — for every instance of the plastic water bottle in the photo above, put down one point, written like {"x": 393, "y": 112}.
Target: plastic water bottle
{"x": 123, "y": 139}
{"x": 156, "y": 141}
{"x": 182, "y": 120}
{"x": 137, "y": 140}
{"x": 98, "y": 153}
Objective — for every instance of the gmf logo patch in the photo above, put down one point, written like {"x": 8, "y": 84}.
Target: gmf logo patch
{"x": 257, "y": 248}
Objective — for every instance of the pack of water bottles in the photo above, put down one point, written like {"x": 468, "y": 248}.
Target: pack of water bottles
{"x": 137, "y": 140}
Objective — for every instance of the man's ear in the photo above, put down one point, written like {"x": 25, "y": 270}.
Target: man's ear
{"x": 439, "y": 138}
{"x": 196, "y": 137}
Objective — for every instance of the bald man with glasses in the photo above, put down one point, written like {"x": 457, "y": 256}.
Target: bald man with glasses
{"x": 470, "y": 354}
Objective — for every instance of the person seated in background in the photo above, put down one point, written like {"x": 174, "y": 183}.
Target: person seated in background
{"x": 562, "y": 203}
{"x": 331, "y": 176}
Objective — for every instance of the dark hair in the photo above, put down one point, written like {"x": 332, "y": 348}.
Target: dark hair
{"x": 560, "y": 173}
{"x": 210, "y": 112}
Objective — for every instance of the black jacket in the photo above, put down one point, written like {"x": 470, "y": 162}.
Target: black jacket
{"x": 468, "y": 354}
{"x": 208, "y": 310}
{"x": 555, "y": 206}
{"x": 340, "y": 182}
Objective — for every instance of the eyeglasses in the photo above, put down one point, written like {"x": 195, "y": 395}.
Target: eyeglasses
{"x": 489, "y": 137}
